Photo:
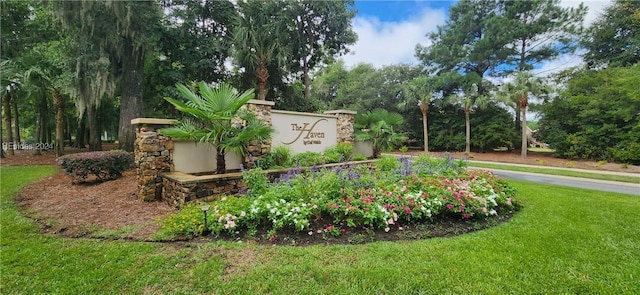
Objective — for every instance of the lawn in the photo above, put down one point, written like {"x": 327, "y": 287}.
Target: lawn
{"x": 565, "y": 240}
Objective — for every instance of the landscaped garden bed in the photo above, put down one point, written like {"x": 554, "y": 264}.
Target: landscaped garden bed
{"x": 395, "y": 198}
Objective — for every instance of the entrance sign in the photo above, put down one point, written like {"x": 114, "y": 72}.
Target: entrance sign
{"x": 304, "y": 132}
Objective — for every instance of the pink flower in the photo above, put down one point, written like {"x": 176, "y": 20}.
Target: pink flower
{"x": 465, "y": 216}
{"x": 509, "y": 201}
{"x": 390, "y": 221}
{"x": 449, "y": 206}
{"x": 386, "y": 229}
{"x": 243, "y": 214}
{"x": 403, "y": 189}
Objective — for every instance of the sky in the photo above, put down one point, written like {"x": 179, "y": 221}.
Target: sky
{"x": 388, "y": 31}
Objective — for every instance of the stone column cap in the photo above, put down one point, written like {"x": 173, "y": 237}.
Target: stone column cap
{"x": 341, "y": 112}
{"x": 261, "y": 102}
{"x": 153, "y": 121}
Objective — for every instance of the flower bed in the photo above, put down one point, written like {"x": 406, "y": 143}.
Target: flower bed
{"x": 391, "y": 194}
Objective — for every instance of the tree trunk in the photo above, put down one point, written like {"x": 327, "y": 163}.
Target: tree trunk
{"x": 16, "y": 122}
{"x": 307, "y": 82}
{"x": 6, "y": 105}
{"x": 131, "y": 103}
{"x": 424, "y": 108}
{"x": 221, "y": 165}
{"x": 523, "y": 107}
{"x": 262, "y": 74}
{"x": 467, "y": 127}
{"x": 80, "y": 133}
{"x": 95, "y": 144}
{"x": 58, "y": 102}
{"x": 67, "y": 130}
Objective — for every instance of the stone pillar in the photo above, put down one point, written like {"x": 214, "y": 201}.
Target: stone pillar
{"x": 346, "y": 120}
{"x": 262, "y": 109}
{"x": 153, "y": 156}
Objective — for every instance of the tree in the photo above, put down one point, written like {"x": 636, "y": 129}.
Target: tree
{"x": 467, "y": 100}
{"x": 473, "y": 41}
{"x": 257, "y": 40}
{"x": 419, "y": 91}
{"x": 319, "y": 30}
{"x": 596, "y": 117}
{"x": 541, "y": 30}
{"x": 614, "y": 38}
{"x": 212, "y": 118}
{"x": 378, "y": 127}
{"x": 121, "y": 50}
{"x": 517, "y": 94}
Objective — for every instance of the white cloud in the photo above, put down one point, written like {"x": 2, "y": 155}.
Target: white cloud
{"x": 384, "y": 43}
{"x": 594, "y": 9}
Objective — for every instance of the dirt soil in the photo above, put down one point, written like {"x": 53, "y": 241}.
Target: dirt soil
{"x": 111, "y": 210}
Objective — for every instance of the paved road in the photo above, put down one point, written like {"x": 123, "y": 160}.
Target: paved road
{"x": 601, "y": 185}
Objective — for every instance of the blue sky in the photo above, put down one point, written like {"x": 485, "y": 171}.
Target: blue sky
{"x": 388, "y": 31}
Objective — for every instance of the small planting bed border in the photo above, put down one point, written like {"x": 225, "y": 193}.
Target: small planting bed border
{"x": 180, "y": 188}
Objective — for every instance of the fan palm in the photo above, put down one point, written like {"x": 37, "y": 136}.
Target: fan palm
{"x": 468, "y": 101}
{"x": 517, "y": 94}
{"x": 215, "y": 116}
{"x": 377, "y": 127}
{"x": 420, "y": 92}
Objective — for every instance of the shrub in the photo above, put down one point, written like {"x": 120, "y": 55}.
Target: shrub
{"x": 328, "y": 200}
{"x": 307, "y": 159}
{"x": 105, "y": 165}
{"x": 281, "y": 155}
{"x": 358, "y": 157}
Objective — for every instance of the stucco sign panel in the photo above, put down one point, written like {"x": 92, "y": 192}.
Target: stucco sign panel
{"x": 303, "y": 132}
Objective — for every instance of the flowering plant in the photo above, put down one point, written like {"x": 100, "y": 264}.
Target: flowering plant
{"x": 410, "y": 192}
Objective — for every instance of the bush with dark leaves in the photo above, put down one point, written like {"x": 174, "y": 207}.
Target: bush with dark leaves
{"x": 105, "y": 165}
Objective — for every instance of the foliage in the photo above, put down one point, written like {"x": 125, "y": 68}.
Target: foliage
{"x": 379, "y": 127}
{"x": 281, "y": 155}
{"x": 213, "y": 119}
{"x": 105, "y": 165}
{"x": 596, "y": 117}
{"x": 318, "y": 32}
{"x": 342, "y": 151}
{"x": 517, "y": 95}
{"x": 388, "y": 196}
{"x": 613, "y": 38}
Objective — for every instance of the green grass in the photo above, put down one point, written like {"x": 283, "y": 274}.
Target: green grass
{"x": 561, "y": 172}
{"x": 541, "y": 150}
{"x": 565, "y": 241}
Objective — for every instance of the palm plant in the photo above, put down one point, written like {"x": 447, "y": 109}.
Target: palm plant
{"x": 215, "y": 116}
{"x": 517, "y": 94}
{"x": 256, "y": 40}
{"x": 377, "y": 127}
{"x": 468, "y": 100}
{"x": 420, "y": 92}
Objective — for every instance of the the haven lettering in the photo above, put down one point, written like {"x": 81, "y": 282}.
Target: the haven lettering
{"x": 306, "y": 132}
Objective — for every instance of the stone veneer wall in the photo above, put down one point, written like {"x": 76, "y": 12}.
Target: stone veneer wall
{"x": 262, "y": 109}
{"x": 346, "y": 120}
{"x": 181, "y": 188}
{"x": 152, "y": 152}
